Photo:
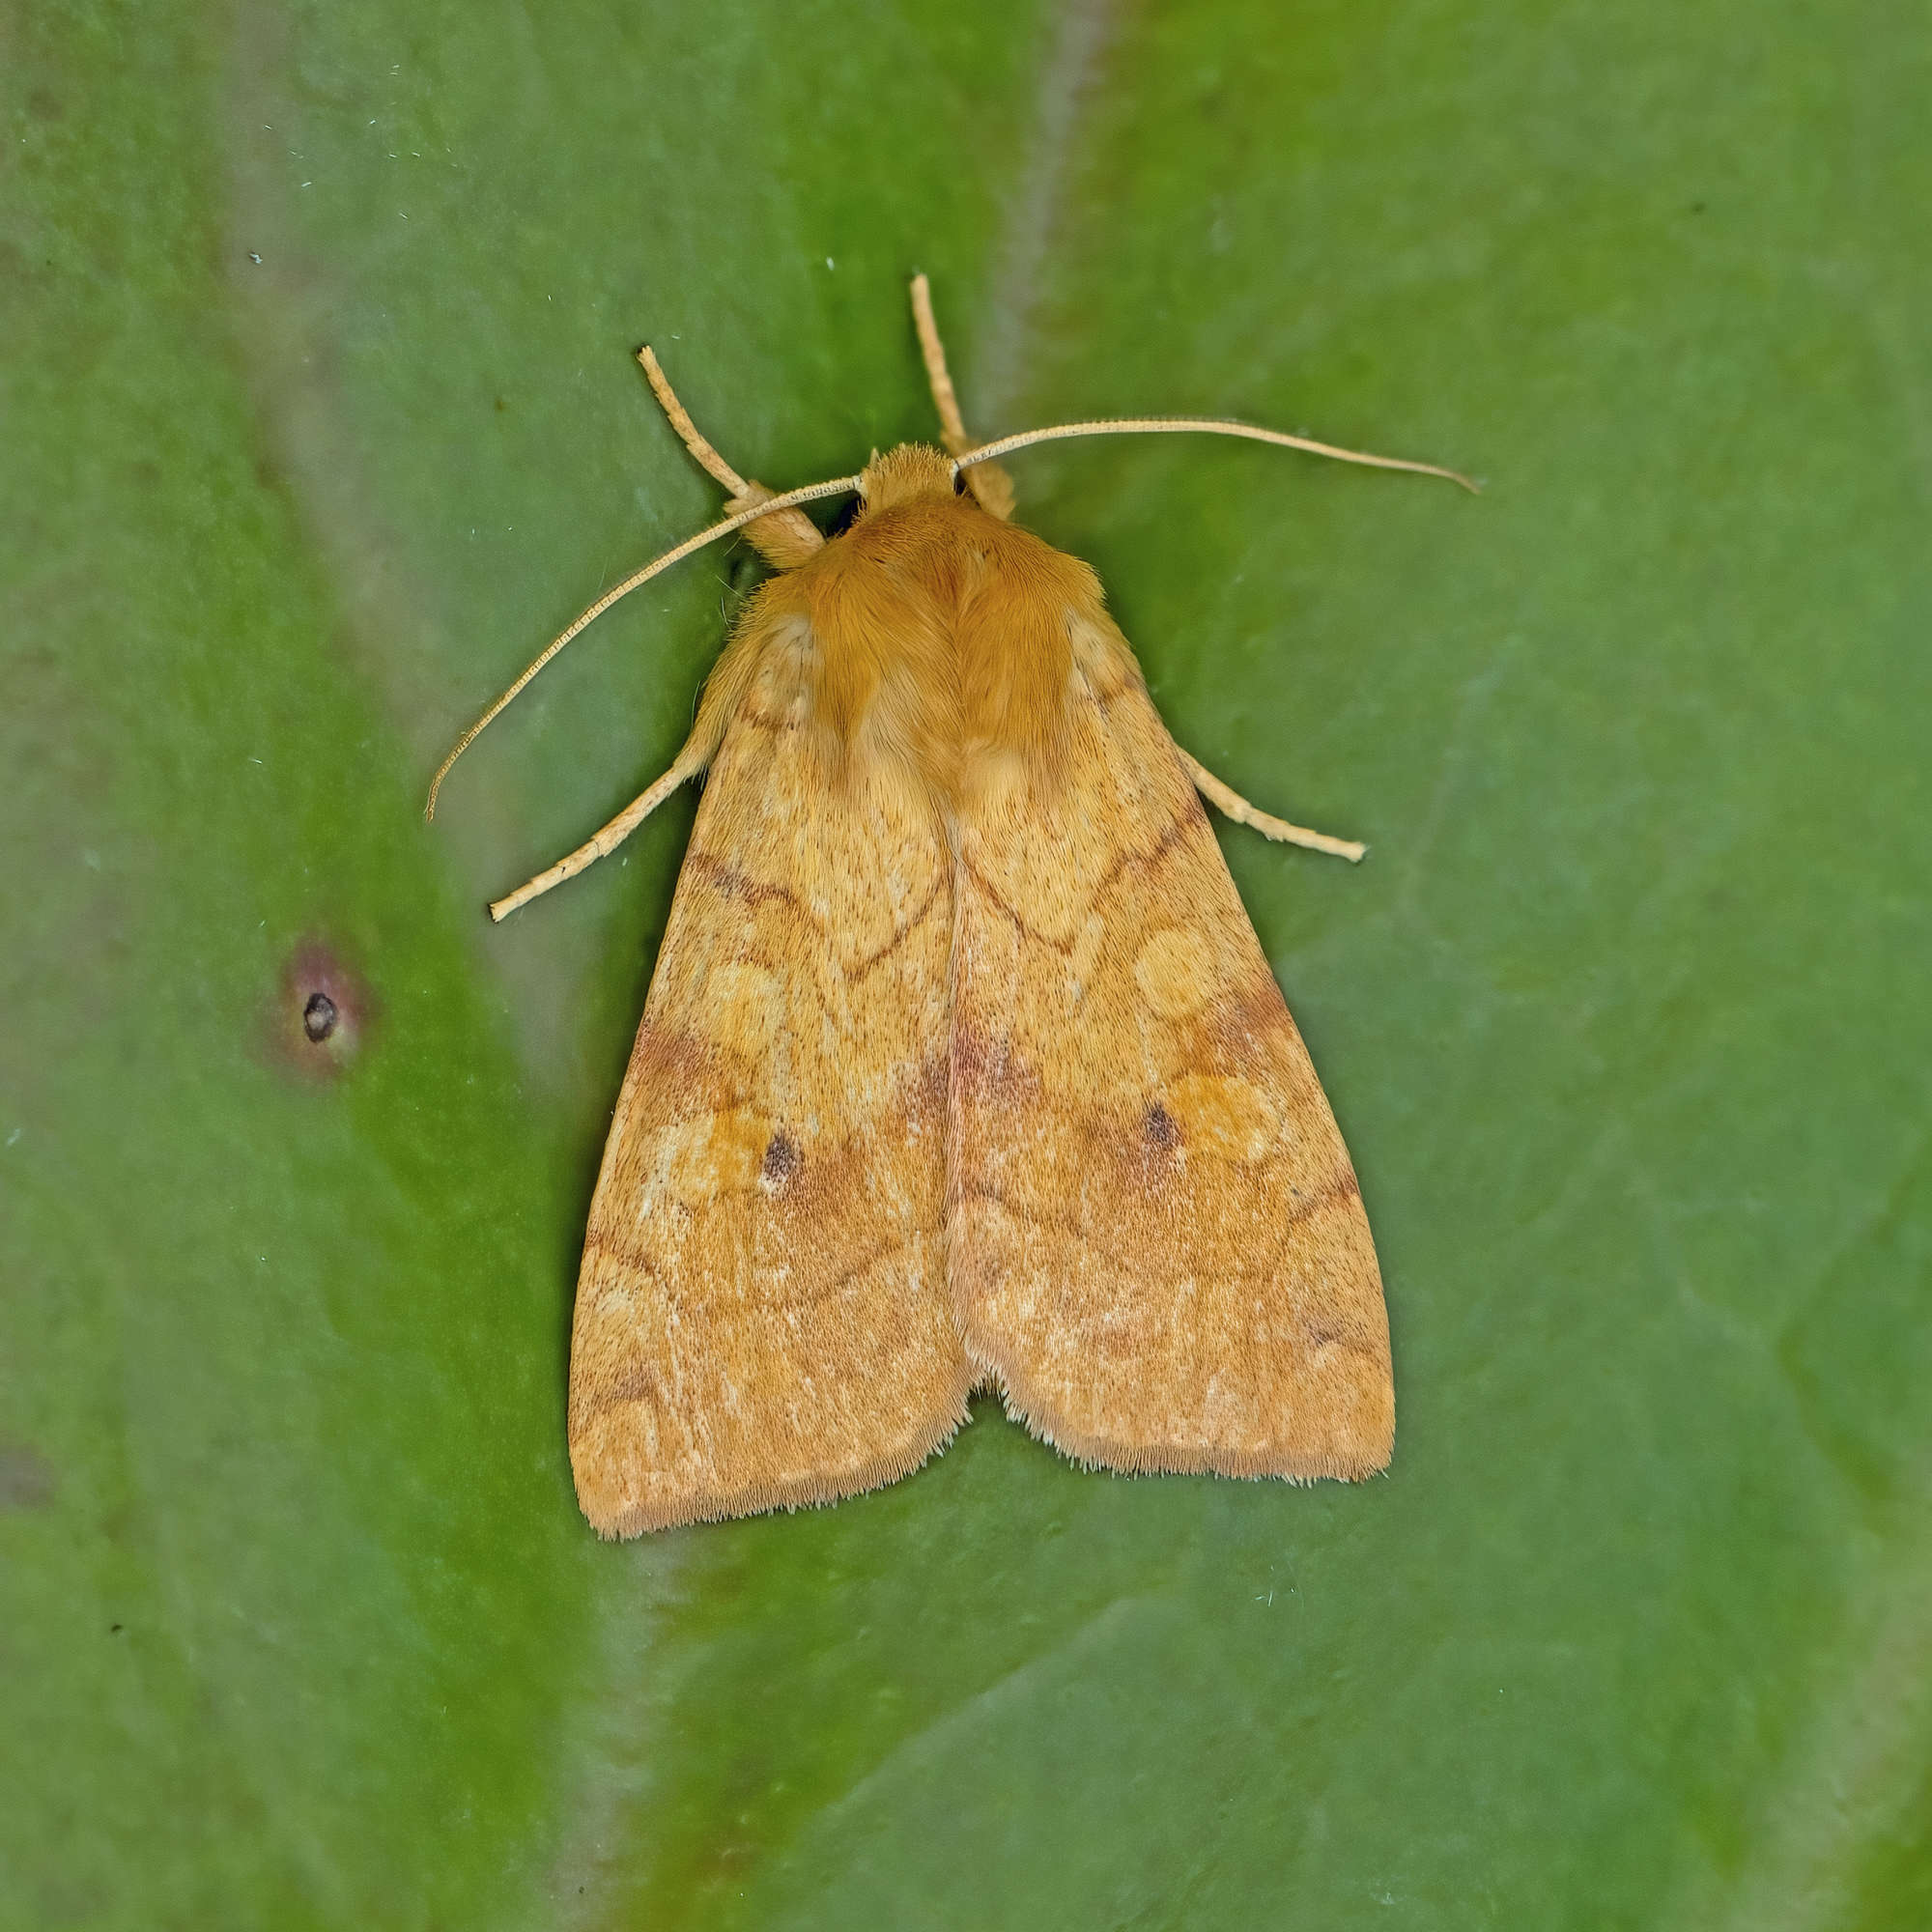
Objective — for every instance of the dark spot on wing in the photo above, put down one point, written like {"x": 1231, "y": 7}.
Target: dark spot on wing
{"x": 782, "y": 1160}
{"x": 1158, "y": 1128}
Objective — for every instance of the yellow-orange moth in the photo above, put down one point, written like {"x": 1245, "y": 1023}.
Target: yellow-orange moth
{"x": 961, "y": 1063}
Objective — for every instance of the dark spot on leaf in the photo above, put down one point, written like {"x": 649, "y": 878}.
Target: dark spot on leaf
{"x": 782, "y": 1160}
{"x": 323, "y": 1012}
{"x": 1157, "y": 1124}
{"x": 501, "y": 406}
{"x": 115, "y": 1630}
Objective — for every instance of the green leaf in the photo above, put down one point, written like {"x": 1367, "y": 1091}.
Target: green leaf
{"x": 320, "y": 418}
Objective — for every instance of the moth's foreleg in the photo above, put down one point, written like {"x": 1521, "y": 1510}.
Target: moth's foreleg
{"x": 689, "y": 763}
{"x": 1226, "y": 798}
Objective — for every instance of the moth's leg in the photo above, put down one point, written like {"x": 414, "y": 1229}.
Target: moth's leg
{"x": 1226, "y": 798}
{"x": 786, "y": 538}
{"x": 605, "y": 841}
{"x": 723, "y": 692}
{"x": 991, "y": 487}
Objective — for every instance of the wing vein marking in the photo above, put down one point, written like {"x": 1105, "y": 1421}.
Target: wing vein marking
{"x": 1060, "y": 1224}
{"x": 1345, "y": 1187}
{"x": 673, "y": 1294}
{"x": 859, "y": 968}
{"x": 1175, "y": 830}
{"x": 739, "y": 884}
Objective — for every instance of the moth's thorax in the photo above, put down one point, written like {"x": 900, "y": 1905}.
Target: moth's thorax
{"x": 933, "y": 632}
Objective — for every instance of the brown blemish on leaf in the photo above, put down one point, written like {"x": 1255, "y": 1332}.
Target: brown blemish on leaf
{"x": 323, "y": 1012}
{"x": 26, "y": 1478}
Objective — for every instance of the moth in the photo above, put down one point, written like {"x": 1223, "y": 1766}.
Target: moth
{"x": 961, "y": 1063}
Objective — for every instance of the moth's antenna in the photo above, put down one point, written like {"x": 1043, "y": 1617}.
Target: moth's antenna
{"x": 838, "y": 486}
{"x": 791, "y": 536}
{"x": 688, "y": 432}
{"x": 1204, "y": 425}
{"x": 992, "y": 487}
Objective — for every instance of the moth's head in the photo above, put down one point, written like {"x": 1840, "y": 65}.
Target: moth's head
{"x": 903, "y": 476}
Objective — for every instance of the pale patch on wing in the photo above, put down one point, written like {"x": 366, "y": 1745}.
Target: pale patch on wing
{"x": 1174, "y": 971}
{"x": 1224, "y": 1115}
